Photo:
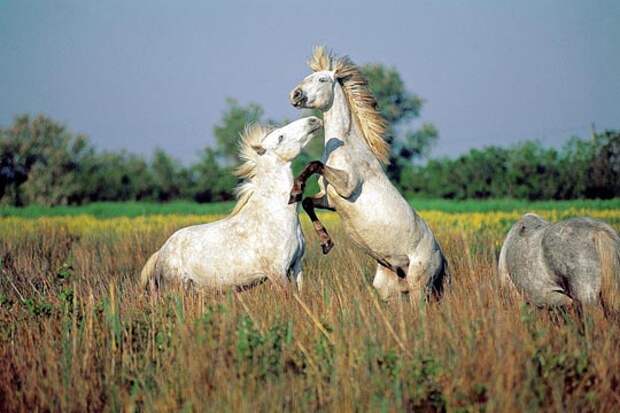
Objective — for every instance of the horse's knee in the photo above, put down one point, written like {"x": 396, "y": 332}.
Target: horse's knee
{"x": 428, "y": 271}
{"x": 417, "y": 275}
{"x": 379, "y": 281}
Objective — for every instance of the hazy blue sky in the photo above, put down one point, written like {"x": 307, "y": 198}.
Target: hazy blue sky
{"x": 146, "y": 74}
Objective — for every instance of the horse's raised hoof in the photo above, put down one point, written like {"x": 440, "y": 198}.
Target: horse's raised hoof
{"x": 295, "y": 197}
{"x": 327, "y": 246}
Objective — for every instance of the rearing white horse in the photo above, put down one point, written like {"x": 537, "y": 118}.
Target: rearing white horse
{"x": 261, "y": 238}
{"x": 353, "y": 183}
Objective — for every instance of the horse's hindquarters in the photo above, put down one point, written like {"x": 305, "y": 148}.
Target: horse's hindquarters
{"x": 554, "y": 264}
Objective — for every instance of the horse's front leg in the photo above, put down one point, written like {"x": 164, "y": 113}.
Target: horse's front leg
{"x": 342, "y": 181}
{"x": 309, "y": 204}
{"x": 297, "y": 192}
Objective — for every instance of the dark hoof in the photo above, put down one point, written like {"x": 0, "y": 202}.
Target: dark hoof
{"x": 295, "y": 197}
{"x": 327, "y": 246}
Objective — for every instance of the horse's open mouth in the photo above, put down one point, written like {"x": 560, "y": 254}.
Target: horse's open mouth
{"x": 316, "y": 128}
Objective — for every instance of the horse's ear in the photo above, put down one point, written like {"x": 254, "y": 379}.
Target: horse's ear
{"x": 259, "y": 149}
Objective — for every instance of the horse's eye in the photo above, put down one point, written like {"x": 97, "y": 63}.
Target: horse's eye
{"x": 322, "y": 79}
{"x": 280, "y": 138}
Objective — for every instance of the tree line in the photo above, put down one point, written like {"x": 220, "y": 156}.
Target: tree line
{"x": 581, "y": 169}
{"x": 43, "y": 162}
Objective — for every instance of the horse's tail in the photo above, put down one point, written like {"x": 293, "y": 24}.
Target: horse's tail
{"x": 608, "y": 246}
{"x": 148, "y": 271}
{"x": 441, "y": 280}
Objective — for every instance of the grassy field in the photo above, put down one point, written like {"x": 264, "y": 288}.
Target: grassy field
{"x": 78, "y": 334}
{"x": 136, "y": 209}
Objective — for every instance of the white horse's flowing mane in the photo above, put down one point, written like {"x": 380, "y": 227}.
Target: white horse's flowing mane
{"x": 362, "y": 103}
{"x": 252, "y": 136}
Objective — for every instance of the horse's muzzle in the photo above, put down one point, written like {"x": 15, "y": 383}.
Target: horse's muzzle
{"x": 297, "y": 97}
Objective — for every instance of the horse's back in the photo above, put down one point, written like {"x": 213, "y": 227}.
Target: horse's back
{"x": 197, "y": 252}
{"x": 230, "y": 252}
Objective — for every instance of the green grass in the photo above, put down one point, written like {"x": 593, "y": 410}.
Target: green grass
{"x": 119, "y": 209}
{"x": 134, "y": 209}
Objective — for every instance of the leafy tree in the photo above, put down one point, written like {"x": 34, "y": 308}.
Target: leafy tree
{"x": 229, "y": 128}
{"x": 400, "y": 107}
{"x": 605, "y": 167}
{"x": 212, "y": 182}
{"x": 532, "y": 172}
{"x": 17, "y": 157}
{"x": 118, "y": 176}
{"x": 573, "y": 166}
{"x": 170, "y": 179}
{"x": 527, "y": 170}
{"x": 39, "y": 161}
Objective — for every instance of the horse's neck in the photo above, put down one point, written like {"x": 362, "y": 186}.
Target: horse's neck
{"x": 339, "y": 124}
{"x": 272, "y": 187}
{"x": 338, "y": 117}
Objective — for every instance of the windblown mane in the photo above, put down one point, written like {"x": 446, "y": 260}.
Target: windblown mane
{"x": 362, "y": 103}
{"x": 252, "y": 135}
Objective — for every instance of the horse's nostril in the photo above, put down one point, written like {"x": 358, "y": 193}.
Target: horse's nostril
{"x": 297, "y": 93}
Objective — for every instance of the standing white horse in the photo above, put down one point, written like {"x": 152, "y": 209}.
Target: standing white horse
{"x": 353, "y": 183}
{"x": 261, "y": 238}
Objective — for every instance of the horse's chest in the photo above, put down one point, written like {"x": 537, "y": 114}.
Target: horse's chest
{"x": 337, "y": 158}
{"x": 287, "y": 241}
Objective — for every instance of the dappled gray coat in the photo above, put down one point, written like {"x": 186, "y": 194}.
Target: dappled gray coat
{"x": 553, "y": 264}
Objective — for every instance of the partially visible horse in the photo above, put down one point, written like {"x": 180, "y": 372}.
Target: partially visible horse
{"x": 353, "y": 183}
{"x": 261, "y": 238}
{"x": 575, "y": 260}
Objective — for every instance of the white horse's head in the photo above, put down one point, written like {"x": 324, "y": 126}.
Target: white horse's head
{"x": 286, "y": 142}
{"x": 320, "y": 91}
{"x": 316, "y": 91}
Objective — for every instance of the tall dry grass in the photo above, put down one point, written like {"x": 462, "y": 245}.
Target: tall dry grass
{"x": 77, "y": 334}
